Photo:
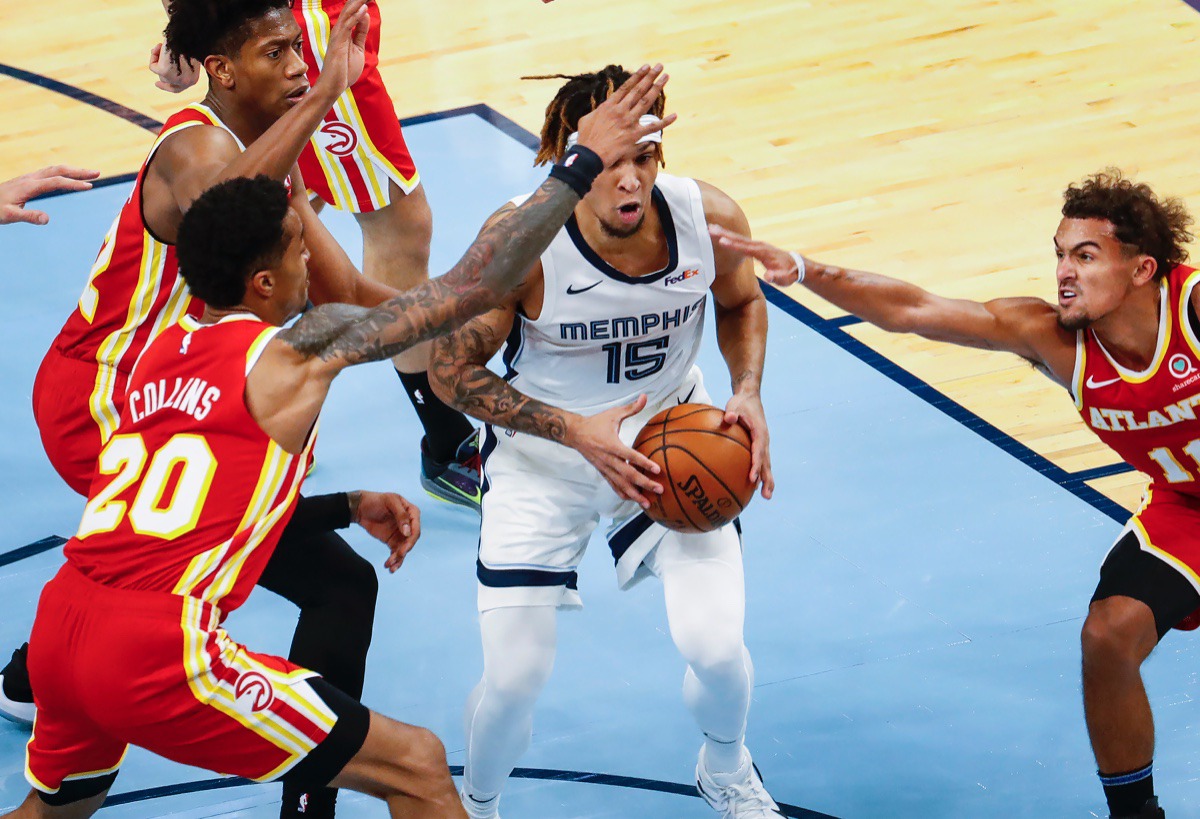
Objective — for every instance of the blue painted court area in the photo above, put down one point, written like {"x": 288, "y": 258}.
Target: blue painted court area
{"x": 915, "y": 592}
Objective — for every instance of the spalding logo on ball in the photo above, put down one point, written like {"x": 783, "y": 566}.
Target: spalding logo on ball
{"x": 705, "y": 467}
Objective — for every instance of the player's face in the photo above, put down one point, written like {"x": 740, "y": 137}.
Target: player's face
{"x": 291, "y": 277}
{"x": 1095, "y": 271}
{"x": 621, "y": 193}
{"x": 269, "y": 68}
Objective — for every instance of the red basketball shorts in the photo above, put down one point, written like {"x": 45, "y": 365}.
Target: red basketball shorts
{"x": 1168, "y": 526}
{"x": 112, "y": 668}
{"x": 359, "y": 147}
{"x": 76, "y": 405}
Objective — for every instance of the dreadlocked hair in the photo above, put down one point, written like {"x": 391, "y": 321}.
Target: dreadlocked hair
{"x": 579, "y": 96}
{"x": 1158, "y": 228}
{"x": 197, "y": 28}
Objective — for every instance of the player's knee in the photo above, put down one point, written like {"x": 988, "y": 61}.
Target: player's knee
{"x": 354, "y": 586}
{"x": 1117, "y": 631}
{"x": 711, "y": 649}
{"x": 518, "y": 685}
{"x": 417, "y": 759}
{"x": 719, "y": 660}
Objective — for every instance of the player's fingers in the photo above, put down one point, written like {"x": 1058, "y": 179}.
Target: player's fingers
{"x": 348, "y": 17}
{"x": 629, "y": 455}
{"x": 11, "y": 214}
{"x": 784, "y": 277}
{"x": 623, "y": 479}
{"x": 643, "y": 95}
{"x": 768, "y": 484}
{"x": 654, "y": 127}
{"x": 635, "y": 471}
{"x": 626, "y": 87}
{"x": 646, "y": 101}
{"x": 632, "y": 408}
{"x": 69, "y": 171}
{"x": 38, "y": 187}
{"x": 414, "y": 521}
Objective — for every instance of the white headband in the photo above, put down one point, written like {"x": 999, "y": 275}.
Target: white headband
{"x": 645, "y": 119}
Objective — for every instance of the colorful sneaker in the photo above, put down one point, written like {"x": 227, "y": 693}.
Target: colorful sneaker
{"x": 455, "y": 481}
{"x": 16, "y": 697}
{"x": 739, "y": 795}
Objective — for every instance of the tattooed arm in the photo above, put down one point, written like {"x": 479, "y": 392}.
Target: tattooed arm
{"x": 285, "y": 389}
{"x": 459, "y": 374}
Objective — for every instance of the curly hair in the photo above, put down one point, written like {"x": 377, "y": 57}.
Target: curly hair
{"x": 198, "y": 28}
{"x": 1156, "y": 227}
{"x": 233, "y": 229}
{"x": 579, "y": 96}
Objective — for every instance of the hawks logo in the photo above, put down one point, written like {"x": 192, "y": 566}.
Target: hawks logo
{"x": 338, "y": 138}
{"x": 253, "y": 692}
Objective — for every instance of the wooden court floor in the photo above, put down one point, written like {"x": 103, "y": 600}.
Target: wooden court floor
{"x": 925, "y": 139}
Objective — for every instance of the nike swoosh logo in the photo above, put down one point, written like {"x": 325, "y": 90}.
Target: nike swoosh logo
{"x": 1095, "y": 385}
{"x": 571, "y": 291}
{"x": 689, "y": 396}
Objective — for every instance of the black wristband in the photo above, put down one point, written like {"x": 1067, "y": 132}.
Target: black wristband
{"x": 321, "y": 513}
{"x": 579, "y": 168}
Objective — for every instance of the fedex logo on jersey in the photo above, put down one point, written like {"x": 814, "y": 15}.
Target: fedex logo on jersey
{"x": 1121, "y": 420}
{"x": 684, "y": 276}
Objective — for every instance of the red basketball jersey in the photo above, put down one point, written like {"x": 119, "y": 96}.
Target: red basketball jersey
{"x": 190, "y": 494}
{"x": 133, "y": 291}
{"x": 1149, "y": 417}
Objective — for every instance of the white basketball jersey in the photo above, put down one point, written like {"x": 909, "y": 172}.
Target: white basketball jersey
{"x": 602, "y": 337}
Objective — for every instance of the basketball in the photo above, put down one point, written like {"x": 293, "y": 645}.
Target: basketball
{"x": 705, "y": 467}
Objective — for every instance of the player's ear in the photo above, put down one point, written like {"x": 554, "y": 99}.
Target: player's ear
{"x": 1146, "y": 270}
{"x": 220, "y": 68}
{"x": 262, "y": 283}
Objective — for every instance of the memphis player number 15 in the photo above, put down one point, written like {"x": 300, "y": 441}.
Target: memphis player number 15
{"x": 172, "y": 491}
{"x": 641, "y": 359}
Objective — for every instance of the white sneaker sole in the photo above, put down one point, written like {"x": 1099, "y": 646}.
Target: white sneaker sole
{"x": 22, "y": 713}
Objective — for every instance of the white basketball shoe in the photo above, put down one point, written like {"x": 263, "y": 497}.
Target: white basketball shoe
{"x": 738, "y": 795}
{"x": 481, "y": 810}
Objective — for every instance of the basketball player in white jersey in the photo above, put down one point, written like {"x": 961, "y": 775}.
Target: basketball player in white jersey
{"x": 603, "y": 334}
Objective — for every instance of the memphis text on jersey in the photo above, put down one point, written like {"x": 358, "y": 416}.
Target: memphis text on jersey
{"x": 628, "y": 326}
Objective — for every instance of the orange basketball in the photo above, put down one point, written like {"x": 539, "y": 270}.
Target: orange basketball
{"x": 705, "y": 467}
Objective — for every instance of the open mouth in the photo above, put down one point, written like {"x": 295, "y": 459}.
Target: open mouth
{"x": 298, "y": 94}
{"x": 1066, "y": 296}
{"x": 630, "y": 213}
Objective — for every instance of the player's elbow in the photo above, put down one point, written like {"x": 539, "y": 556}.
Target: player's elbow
{"x": 444, "y": 377}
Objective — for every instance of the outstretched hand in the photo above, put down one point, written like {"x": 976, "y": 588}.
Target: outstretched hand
{"x": 615, "y": 127}
{"x": 171, "y": 76}
{"x": 346, "y": 55}
{"x": 747, "y": 409}
{"x": 779, "y": 267}
{"x": 597, "y": 438}
{"x": 15, "y": 193}
{"x": 391, "y": 520}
